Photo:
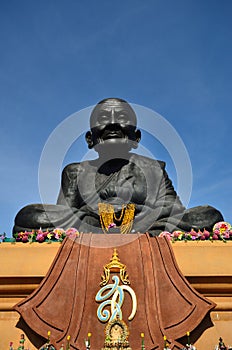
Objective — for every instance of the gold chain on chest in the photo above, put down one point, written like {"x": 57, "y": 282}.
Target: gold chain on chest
{"x": 108, "y": 217}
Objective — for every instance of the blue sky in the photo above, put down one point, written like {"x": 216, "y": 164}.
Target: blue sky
{"x": 58, "y": 57}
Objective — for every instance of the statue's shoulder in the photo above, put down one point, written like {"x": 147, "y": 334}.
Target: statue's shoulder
{"x": 75, "y": 167}
{"x": 146, "y": 161}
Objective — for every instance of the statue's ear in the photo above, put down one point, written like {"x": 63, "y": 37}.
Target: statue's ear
{"x": 138, "y": 138}
{"x": 88, "y": 139}
{"x": 138, "y": 135}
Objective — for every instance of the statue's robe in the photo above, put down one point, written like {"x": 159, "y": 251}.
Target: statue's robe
{"x": 138, "y": 180}
{"x": 65, "y": 303}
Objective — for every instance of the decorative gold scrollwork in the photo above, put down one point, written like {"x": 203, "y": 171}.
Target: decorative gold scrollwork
{"x": 114, "y": 266}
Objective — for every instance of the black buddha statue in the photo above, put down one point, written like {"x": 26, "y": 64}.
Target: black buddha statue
{"x": 120, "y": 191}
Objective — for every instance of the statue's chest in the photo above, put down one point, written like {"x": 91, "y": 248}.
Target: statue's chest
{"x": 129, "y": 182}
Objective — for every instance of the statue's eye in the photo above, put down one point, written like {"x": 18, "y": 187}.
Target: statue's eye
{"x": 122, "y": 118}
{"x": 103, "y": 119}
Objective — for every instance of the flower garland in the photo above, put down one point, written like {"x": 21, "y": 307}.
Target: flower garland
{"x": 222, "y": 231}
{"x": 40, "y": 236}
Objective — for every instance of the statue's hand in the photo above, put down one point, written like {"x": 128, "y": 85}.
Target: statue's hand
{"x": 117, "y": 193}
{"x": 114, "y": 196}
{"x": 107, "y": 193}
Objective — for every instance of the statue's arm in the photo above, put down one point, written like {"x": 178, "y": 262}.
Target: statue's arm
{"x": 168, "y": 200}
{"x": 161, "y": 203}
{"x": 69, "y": 186}
{"x": 161, "y": 195}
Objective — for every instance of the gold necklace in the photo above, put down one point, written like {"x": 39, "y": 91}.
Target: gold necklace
{"x": 121, "y": 214}
{"x": 128, "y": 218}
{"x": 107, "y": 217}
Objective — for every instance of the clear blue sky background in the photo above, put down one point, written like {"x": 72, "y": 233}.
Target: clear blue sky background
{"x": 58, "y": 57}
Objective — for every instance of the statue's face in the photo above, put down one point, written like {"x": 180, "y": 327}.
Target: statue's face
{"x": 113, "y": 122}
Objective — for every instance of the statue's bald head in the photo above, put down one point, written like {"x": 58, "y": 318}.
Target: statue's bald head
{"x": 119, "y": 105}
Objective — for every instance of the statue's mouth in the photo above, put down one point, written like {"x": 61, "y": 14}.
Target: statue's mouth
{"x": 112, "y": 135}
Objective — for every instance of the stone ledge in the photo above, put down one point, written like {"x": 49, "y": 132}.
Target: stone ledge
{"x": 194, "y": 258}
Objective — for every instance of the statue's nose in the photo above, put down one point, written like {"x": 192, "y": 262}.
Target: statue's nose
{"x": 112, "y": 117}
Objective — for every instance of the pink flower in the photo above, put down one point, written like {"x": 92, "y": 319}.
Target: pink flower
{"x": 221, "y": 226}
{"x": 177, "y": 234}
{"x": 25, "y": 238}
{"x": 2, "y": 237}
{"x": 193, "y": 238}
{"x": 59, "y": 232}
{"x": 166, "y": 234}
{"x": 111, "y": 225}
{"x": 215, "y": 237}
{"x": 45, "y": 233}
{"x": 40, "y": 237}
{"x": 206, "y": 233}
{"x": 19, "y": 236}
{"x": 72, "y": 232}
{"x": 193, "y": 233}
